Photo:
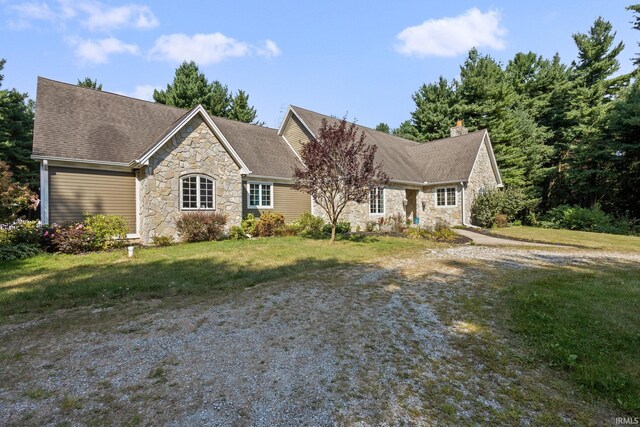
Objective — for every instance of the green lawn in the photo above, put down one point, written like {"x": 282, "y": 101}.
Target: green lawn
{"x": 602, "y": 241}
{"x": 586, "y": 322}
{"x": 48, "y": 282}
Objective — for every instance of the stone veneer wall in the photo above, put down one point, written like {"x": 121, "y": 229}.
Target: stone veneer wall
{"x": 431, "y": 213}
{"x": 482, "y": 178}
{"x": 193, "y": 150}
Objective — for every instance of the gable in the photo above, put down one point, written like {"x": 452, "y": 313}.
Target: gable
{"x": 295, "y": 132}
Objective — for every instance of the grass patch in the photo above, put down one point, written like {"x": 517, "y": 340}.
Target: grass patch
{"x": 602, "y": 241}
{"x": 48, "y": 282}
{"x": 585, "y": 322}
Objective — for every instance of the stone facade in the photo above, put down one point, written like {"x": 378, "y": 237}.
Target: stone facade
{"x": 482, "y": 178}
{"x": 430, "y": 214}
{"x": 395, "y": 201}
{"x": 193, "y": 150}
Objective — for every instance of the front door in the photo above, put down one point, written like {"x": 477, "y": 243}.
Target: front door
{"x": 411, "y": 210}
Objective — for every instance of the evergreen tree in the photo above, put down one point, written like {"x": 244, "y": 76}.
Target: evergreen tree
{"x": 407, "y": 131}
{"x": 437, "y": 109}
{"x": 636, "y": 24}
{"x": 592, "y": 87}
{"x": 624, "y": 133}
{"x": 240, "y": 109}
{"x": 16, "y": 135}
{"x": 91, "y": 84}
{"x": 383, "y": 127}
{"x": 190, "y": 87}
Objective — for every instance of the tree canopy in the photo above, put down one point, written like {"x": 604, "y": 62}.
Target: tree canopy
{"x": 90, "y": 83}
{"x": 191, "y": 87}
{"x": 339, "y": 168}
{"x": 563, "y": 133}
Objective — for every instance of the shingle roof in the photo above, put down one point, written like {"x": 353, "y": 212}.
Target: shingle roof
{"x": 84, "y": 124}
{"x": 81, "y": 123}
{"x": 443, "y": 160}
{"x": 263, "y": 151}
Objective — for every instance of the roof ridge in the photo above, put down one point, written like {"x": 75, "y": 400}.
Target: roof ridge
{"x": 424, "y": 143}
{"x": 76, "y": 86}
{"x": 242, "y": 123}
{"x": 358, "y": 125}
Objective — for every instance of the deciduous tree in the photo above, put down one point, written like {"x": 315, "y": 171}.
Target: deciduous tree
{"x": 90, "y": 83}
{"x": 340, "y": 168}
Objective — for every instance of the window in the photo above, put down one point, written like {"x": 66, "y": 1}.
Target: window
{"x": 260, "y": 195}
{"x": 446, "y": 196}
{"x": 376, "y": 201}
{"x": 198, "y": 192}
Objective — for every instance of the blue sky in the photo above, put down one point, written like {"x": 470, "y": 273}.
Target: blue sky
{"x": 364, "y": 59}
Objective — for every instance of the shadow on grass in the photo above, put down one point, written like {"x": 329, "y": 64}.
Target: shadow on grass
{"x": 109, "y": 283}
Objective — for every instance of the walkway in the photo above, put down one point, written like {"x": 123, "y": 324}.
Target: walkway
{"x": 483, "y": 239}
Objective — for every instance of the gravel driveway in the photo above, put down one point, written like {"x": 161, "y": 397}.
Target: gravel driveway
{"x": 388, "y": 343}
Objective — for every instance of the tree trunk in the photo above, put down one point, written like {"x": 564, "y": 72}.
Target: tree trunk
{"x": 333, "y": 233}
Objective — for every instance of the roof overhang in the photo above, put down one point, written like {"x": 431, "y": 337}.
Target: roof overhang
{"x": 455, "y": 181}
{"x": 82, "y": 163}
{"x": 197, "y": 110}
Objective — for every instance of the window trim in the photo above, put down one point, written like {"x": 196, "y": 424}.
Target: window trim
{"x": 260, "y": 183}
{"x": 455, "y": 192}
{"x": 198, "y": 176}
{"x": 384, "y": 202}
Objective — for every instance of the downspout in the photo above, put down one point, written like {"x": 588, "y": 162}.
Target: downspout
{"x": 462, "y": 203}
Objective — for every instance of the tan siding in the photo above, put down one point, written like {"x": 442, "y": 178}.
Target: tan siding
{"x": 287, "y": 201}
{"x": 72, "y": 192}
{"x": 295, "y": 133}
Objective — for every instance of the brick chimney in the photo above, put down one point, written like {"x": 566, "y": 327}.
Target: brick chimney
{"x": 458, "y": 129}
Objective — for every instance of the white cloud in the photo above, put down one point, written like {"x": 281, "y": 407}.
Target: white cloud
{"x": 201, "y": 48}
{"x": 93, "y": 15}
{"x": 453, "y": 36}
{"x": 99, "y": 17}
{"x": 98, "y": 51}
{"x": 269, "y": 50}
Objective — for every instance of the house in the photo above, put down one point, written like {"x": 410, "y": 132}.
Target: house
{"x": 101, "y": 152}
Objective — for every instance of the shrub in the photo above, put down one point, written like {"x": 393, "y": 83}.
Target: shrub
{"x": 501, "y": 221}
{"x": 442, "y": 232}
{"x": 237, "y": 233}
{"x": 308, "y": 226}
{"x": 201, "y": 226}
{"x": 21, "y": 231}
{"x": 15, "y": 198}
{"x": 511, "y": 203}
{"x": 419, "y": 233}
{"x": 73, "y": 238}
{"x": 342, "y": 228}
{"x": 370, "y": 226}
{"x": 18, "y": 251}
{"x": 397, "y": 222}
{"x": 110, "y": 230}
{"x": 587, "y": 219}
{"x": 268, "y": 223}
{"x": 248, "y": 224}
{"x": 162, "y": 241}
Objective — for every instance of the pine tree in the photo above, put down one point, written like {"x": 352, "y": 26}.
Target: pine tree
{"x": 240, "y": 109}
{"x": 190, "y": 87}
{"x": 383, "y": 127}
{"x": 592, "y": 88}
{"x": 91, "y": 84}
{"x": 16, "y": 134}
{"x": 436, "y": 110}
{"x": 406, "y": 130}
{"x": 636, "y": 25}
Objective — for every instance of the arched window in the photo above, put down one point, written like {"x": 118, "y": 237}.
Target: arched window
{"x": 197, "y": 192}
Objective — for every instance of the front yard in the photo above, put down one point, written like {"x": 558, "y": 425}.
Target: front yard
{"x": 387, "y": 331}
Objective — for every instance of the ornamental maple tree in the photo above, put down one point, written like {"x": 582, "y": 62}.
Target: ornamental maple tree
{"x": 339, "y": 168}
